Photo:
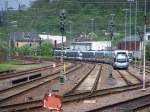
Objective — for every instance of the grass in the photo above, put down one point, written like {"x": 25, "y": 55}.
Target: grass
{"x": 14, "y": 65}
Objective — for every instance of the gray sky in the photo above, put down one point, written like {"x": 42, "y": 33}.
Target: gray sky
{"x": 14, "y": 3}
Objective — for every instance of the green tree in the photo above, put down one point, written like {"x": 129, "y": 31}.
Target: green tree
{"x": 148, "y": 51}
{"x": 46, "y": 49}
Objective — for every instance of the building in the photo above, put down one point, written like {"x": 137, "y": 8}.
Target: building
{"x": 90, "y": 45}
{"x": 147, "y": 38}
{"x": 54, "y": 39}
{"x": 133, "y": 43}
{"x": 19, "y": 39}
{"x": 130, "y": 44}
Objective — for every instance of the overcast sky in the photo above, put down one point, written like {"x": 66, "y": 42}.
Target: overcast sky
{"x": 14, "y": 3}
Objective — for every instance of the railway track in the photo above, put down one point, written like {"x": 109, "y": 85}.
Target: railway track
{"x": 94, "y": 86}
{"x": 130, "y": 105}
{"x": 25, "y": 82}
{"x": 79, "y": 83}
{"x": 14, "y": 91}
{"x": 147, "y": 70}
{"x": 98, "y": 93}
{"x": 128, "y": 82}
{"x": 72, "y": 96}
{"x": 25, "y": 72}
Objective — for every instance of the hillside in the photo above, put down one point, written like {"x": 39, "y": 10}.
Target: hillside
{"x": 43, "y": 16}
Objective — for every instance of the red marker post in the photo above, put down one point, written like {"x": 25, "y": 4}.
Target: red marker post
{"x": 52, "y": 102}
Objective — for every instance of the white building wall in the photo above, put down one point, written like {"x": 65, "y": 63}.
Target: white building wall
{"x": 95, "y": 45}
{"x": 52, "y": 38}
{"x": 100, "y": 45}
{"x": 147, "y": 37}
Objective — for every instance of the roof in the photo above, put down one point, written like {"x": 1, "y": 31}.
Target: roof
{"x": 132, "y": 38}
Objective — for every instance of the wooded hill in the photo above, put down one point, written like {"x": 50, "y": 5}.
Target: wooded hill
{"x": 43, "y": 16}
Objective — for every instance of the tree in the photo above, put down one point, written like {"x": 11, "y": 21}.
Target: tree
{"x": 147, "y": 51}
{"x": 46, "y": 49}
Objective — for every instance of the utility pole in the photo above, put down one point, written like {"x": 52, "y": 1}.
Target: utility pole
{"x": 135, "y": 32}
{"x": 70, "y": 28}
{"x": 92, "y": 25}
{"x": 144, "y": 45}
{"x": 141, "y": 35}
{"x": 125, "y": 27}
{"x": 62, "y": 30}
{"x": 130, "y": 21}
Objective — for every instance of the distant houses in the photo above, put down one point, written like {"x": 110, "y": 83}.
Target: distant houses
{"x": 133, "y": 43}
{"x": 54, "y": 39}
{"x": 130, "y": 43}
{"x": 19, "y": 39}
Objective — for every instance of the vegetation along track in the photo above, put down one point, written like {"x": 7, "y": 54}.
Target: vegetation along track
{"x": 14, "y": 91}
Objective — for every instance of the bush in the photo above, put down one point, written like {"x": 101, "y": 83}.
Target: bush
{"x": 35, "y": 50}
{"x": 3, "y": 50}
{"x": 46, "y": 49}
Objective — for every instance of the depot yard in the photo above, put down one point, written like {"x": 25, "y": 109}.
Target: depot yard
{"x": 86, "y": 88}
{"x": 74, "y": 56}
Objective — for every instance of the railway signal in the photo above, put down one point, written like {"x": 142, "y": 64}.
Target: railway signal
{"x": 111, "y": 33}
{"x": 62, "y": 30}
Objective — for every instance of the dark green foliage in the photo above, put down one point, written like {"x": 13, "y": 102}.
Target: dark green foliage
{"x": 24, "y": 50}
{"x": 3, "y": 50}
{"x": 148, "y": 51}
{"x": 43, "y": 16}
{"x": 46, "y": 49}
